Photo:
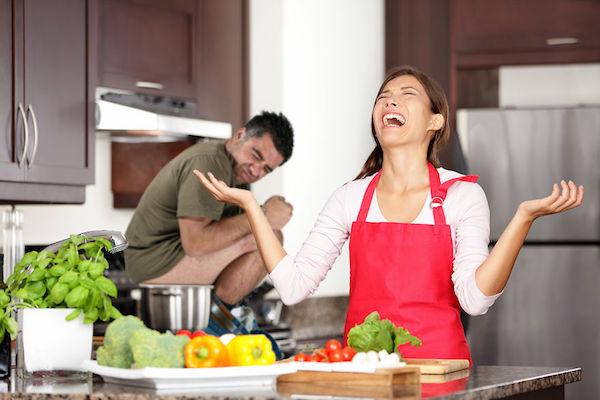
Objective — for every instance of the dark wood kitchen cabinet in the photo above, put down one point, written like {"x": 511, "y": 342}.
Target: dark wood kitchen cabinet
{"x": 147, "y": 46}
{"x": 46, "y": 100}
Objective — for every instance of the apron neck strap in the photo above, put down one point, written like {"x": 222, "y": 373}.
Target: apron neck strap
{"x": 438, "y": 194}
{"x": 366, "y": 202}
{"x": 436, "y": 201}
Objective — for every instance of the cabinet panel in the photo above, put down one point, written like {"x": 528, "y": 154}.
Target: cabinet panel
{"x": 148, "y": 41}
{"x": 525, "y": 25}
{"x": 9, "y": 168}
{"x": 56, "y": 91}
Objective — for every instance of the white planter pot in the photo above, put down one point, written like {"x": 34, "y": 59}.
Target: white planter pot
{"x": 47, "y": 342}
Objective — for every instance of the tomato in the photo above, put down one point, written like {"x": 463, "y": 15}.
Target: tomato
{"x": 332, "y": 345}
{"x": 348, "y": 353}
{"x": 198, "y": 333}
{"x": 320, "y": 355}
{"x": 336, "y": 356}
{"x": 301, "y": 357}
{"x": 184, "y": 332}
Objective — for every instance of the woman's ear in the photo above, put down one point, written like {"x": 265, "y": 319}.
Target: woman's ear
{"x": 436, "y": 122}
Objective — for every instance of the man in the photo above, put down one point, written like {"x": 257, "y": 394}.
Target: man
{"x": 180, "y": 234}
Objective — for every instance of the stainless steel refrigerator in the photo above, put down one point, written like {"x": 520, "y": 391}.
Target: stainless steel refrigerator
{"x": 549, "y": 313}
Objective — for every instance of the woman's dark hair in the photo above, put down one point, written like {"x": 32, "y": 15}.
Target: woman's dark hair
{"x": 276, "y": 125}
{"x": 439, "y": 105}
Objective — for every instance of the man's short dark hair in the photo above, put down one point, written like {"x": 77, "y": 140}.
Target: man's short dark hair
{"x": 278, "y": 126}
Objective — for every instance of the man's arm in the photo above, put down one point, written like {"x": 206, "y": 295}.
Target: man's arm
{"x": 201, "y": 236}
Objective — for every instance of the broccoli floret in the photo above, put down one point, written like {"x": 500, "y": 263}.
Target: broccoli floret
{"x": 115, "y": 352}
{"x": 153, "y": 349}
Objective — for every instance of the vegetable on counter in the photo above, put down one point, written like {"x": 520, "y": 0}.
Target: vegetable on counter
{"x": 245, "y": 350}
{"x": 115, "y": 351}
{"x": 128, "y": 343}
{"x": 205, "y": 352}
{"x": 71, "y": 278}
{"x": 332, "y": 352}
{"x": 190, "y": 334}
{"x": 151, "y": 348}
{"x": 377, "y": 334}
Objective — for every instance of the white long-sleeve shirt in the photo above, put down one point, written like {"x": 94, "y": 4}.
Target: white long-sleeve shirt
{"x": 466, "y": 210}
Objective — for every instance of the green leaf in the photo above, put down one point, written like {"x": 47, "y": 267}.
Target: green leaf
{"x": 37, "y": 275}
{"x": 72, "y": 256}
{"x": 87, "y": 282}
{"x": 96, "y": 269}
{"x": 11, "y": 327}
{"x": 84, "y": 265}
{"x": 107, "y": 286}
{"x": 58, "y": 270}
{"x": 58, "y": 293}
{"x": 4, "y": 299}
{"x": 90, "y": 316}
{"x": 77, "y": 239}
{"x": 73, "y": 314}
{"x": 114, "y": 313}
{"x": 104, "y": 243}
{"x": 69, "y": 277}
{"x": 44, "y": 262}
{"x": 28, "y": 258}
{"x": 77, "y": 297}
{"x": 35, "y": 290}
{"x": 50, "y": 282}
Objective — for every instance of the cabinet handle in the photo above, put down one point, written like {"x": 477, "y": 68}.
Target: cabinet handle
{"x": 35, "y": 134}
{"x": 149, "y": 85}
{"x": 25, "y": 144}
{"x": 558, "y": 41}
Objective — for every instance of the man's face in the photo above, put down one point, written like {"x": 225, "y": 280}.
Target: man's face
{"x": 253, "y": 157}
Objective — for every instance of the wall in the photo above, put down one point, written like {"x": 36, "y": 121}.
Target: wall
{"x": 329, "y": 58}
{"x": 549, "y": 85}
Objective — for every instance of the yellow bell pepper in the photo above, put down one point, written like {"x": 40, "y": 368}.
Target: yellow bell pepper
{"x": 247, "y": 350}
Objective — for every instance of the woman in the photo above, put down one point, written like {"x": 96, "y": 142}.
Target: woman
{"x": 418, "y": 234}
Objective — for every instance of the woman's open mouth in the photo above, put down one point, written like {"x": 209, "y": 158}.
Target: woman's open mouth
{"x": 393, "y": 119}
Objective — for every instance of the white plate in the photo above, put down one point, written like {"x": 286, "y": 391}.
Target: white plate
{"x": 191, "y": 378}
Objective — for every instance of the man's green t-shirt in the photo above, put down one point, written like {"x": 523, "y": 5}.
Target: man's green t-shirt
{"x": 153, "y": 233}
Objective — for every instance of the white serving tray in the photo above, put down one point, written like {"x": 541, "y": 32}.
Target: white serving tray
{"x": 192, "y": 378}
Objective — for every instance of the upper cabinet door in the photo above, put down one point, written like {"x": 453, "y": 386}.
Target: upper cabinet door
{"x": 58, "y": 92}
{"x": 526, "y": 25}
{"x": 11, "y": 116}
{"x": 148, "y": 46}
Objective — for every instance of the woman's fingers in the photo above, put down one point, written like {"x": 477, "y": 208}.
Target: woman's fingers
{"x": 578, "y": 199}
{"x": 570, "y": 196}
{"x": 571, "y": 199}
{"x": 208, "y": 184}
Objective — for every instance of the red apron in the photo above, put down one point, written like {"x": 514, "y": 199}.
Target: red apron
{"x": 404, "y": 271}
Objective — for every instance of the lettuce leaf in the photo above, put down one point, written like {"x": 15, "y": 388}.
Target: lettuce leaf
{"x": 377, "y": 334}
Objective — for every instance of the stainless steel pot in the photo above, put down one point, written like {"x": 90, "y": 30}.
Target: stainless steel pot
{"x": 175, "y": 307}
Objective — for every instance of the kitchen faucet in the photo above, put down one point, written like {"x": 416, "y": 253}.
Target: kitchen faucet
{"x": 117, "y": 239}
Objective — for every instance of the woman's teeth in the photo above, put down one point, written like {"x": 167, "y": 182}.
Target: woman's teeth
{"x": 394, "y": 120}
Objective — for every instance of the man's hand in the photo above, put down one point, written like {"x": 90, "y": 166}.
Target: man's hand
{"x": 278, "y": 211}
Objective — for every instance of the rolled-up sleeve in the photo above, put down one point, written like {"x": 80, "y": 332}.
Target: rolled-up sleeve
{"x": 296, "y": 277}
{"x": 471, "y": 247}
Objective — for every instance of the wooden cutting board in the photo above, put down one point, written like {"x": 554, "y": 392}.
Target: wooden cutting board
{"x": 302, "y": 389}
{"x": 381, "y": 377}
{"x": 432, "y": 366}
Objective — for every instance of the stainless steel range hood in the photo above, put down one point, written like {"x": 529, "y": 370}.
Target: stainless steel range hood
{"x": 140, "y": 117}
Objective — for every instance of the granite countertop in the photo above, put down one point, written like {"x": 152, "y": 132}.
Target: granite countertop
{"x": 481, "y": 382}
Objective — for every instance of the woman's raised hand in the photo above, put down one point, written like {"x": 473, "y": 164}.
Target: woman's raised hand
{"x": 562, "y": 198}
{"x": 222, "y": 192}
